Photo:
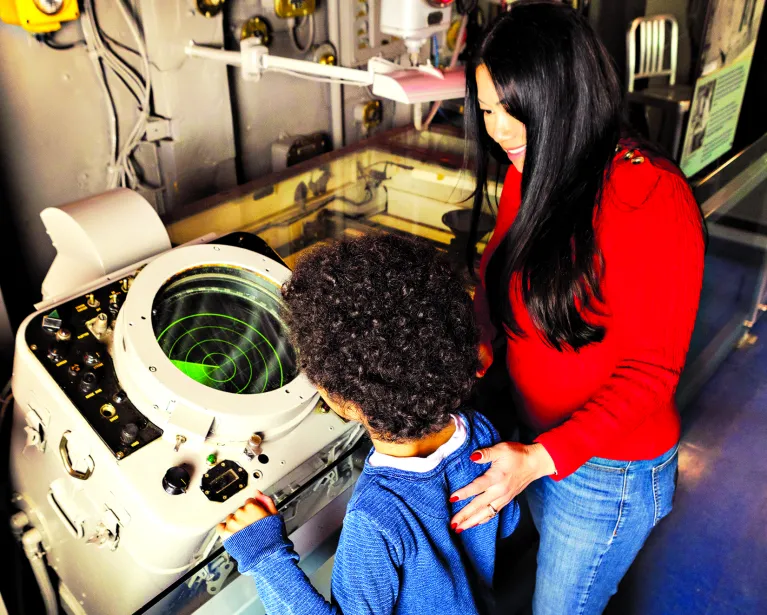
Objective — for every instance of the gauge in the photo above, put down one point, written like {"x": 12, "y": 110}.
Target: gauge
{"x": 49, "y": 7}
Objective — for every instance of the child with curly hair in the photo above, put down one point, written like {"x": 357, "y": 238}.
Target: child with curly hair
{"x": 385, "y": 331}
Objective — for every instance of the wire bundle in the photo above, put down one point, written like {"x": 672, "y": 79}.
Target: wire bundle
{"x": 122, "y": 166}
{"x": 48, "y": 40}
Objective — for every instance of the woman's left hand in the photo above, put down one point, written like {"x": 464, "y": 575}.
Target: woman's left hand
{"x": 514, "y": 467}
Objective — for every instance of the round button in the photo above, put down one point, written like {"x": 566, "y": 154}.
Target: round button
{"x": 129, "y": 433}
{"x": 119, "y": 397}
{"x": 176, "y": 480}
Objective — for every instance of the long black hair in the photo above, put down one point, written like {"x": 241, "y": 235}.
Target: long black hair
{"x": 553, "y": 74}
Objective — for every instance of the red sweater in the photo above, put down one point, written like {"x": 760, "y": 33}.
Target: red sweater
{"x": 614, "y": 399}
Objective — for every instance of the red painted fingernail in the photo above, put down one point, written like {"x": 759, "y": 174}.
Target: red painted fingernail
{"x": 459, "y": 530}
{"x": 453, "y": 498}
{"x": 453, "y": 526}
{"x": 475, "y": 456}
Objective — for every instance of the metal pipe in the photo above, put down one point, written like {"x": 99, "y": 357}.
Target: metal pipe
{"x": 31, "y": 541}
{"x": 336, "y": 91}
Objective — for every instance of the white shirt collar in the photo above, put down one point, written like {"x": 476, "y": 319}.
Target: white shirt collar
{"x": 424, "y": 464}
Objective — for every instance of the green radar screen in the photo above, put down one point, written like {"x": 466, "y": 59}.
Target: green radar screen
{"x": 221, "y": 326}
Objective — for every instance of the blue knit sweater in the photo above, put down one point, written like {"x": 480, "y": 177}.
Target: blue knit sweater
{"x": 397, "y": 553}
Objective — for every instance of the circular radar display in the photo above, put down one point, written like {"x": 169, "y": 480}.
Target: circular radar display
{"x": 221, "y": 326}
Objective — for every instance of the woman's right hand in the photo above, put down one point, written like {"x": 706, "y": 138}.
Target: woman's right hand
{"x": 485, "y": 353}
{"x": 513, "y": 467}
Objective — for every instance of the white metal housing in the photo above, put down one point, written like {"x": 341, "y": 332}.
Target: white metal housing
{"x": 117, "y": 538}
{"x": 413, "y": 20}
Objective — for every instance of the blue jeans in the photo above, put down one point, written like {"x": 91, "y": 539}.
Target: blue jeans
{"x": 592, "y": 524}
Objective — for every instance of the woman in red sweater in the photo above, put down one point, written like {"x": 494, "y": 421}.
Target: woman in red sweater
{"x": 592, "y": 279}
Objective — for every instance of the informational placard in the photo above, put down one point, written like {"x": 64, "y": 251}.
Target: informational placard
{"x": 728, "y": 49}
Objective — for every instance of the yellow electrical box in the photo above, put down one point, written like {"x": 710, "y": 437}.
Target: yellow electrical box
{"x": 38, "y": 16}
{"x": 294, "y": 8}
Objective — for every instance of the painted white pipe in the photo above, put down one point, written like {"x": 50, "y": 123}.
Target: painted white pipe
{"x": 305, "y": 67}
{"x": 258, "y": 58}
{"x": 31, "y": 541}
{"x": 220, "y": 55}
{"x": 336, "y": 91}
{"x": 418, "y": 116}
{"x": 19, "y": 521}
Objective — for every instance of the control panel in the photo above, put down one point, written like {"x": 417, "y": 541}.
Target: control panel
{"x": 71, "y": 342}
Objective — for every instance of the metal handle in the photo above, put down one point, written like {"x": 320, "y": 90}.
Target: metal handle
{"x": 64, "y": 452}
{"x": 76, "y": 529}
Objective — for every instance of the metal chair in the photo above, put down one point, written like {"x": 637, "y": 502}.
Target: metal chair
{"x": 649, "y": 56}
{"x": 652, "y": 48}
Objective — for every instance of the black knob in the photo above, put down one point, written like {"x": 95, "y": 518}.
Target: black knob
{"x": 91, "y": 357}
{"x": 119, "y": 397}
{"x": 176, "y": 480}
{"x": 129, "y": 433}
{"x": 88, "y": 382}
{"x": 55, "y": 354}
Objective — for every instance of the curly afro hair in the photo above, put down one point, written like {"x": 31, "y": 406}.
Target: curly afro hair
{"x": 383, "y": 322}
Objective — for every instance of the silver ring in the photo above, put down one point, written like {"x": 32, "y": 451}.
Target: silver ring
{"x": 495, "y": 512}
